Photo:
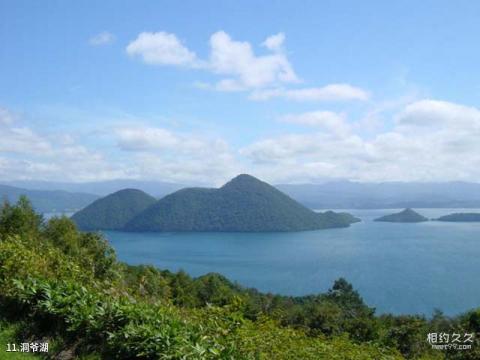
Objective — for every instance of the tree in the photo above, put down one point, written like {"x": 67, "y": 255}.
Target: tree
{"x": 19, "y": 219}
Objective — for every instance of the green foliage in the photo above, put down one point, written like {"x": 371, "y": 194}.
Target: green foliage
{"x": 91, "y": 250}
{"x": 8, "y": 336}
{"x": 408, "y": 334}
{"x": 113, "y": 211}
{"x": 243, "y": 204}
{"x": 20, "y": 219}
{"x": 66, "y": 286}
{"x": 146, "y": 281}
{"x": 264, "y": 339}
{"x": 122, "y": 329}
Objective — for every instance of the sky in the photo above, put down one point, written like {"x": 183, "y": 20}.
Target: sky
{"x": 199, "y": 91}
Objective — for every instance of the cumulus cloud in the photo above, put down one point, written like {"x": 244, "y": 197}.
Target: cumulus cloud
{"x": 332, "y": 92}
{"x": 430, "y": 141}
{"x": 434, "y": 113}
{"x": 27, "y": 154}
{"x": 328, "y": 120}
{"x": 153, "y": 138}
{"x": 234, "y": 59}
{"x": 140, "y": 152}
{"x": 239, "y": 67}
{"x": 162, "y": 48}
{"x": 237, "y": 59}
{"x": 102, "y": 38}
{"x": 17, "y": 139}
{"x": 275, "y": 42}
{"x": 173, "y": 156}
{"x": 138, "y": 139}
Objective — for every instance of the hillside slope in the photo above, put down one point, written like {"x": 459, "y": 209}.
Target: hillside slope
{"x": 112, "y": 212}
{"x": 243, "y": 204}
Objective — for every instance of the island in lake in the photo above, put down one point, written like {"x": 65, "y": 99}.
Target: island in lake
{"x": 461, "y": 217}
{"x": 405, "y": 216}
{"x": 244, "y": 204}
{"x": 113, "y": 211}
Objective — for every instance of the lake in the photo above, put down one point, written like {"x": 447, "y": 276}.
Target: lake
{"x": 398, "y": 268}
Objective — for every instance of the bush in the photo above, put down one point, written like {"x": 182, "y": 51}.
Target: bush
{"x": 67, "y": 285}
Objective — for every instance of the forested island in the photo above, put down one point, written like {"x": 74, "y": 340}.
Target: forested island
{"x": 112, "y": 212}
{"x": 460, "y": 217}
{"x": 67, "y": 288}
{"x": 244, "y": 204}
{"x": 405, "y": 216}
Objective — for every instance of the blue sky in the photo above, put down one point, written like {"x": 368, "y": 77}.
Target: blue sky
{"x": 199, "y": 91}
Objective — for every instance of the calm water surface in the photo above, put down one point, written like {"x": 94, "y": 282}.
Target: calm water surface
{"x": 398, "y": 268}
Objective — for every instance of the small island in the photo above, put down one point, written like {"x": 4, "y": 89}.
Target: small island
{"x": 461, "y": 217}
{"x": 405, "y": 216}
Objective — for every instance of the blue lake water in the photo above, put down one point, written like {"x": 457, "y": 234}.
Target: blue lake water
{"x": 398, "y": 268}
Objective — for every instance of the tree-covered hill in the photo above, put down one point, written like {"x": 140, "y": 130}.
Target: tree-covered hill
{"x": 460, "y": 217}
{"x": 65, "y": 287}
{"x": 405, "y": 216}
{"x": 243, "y": 204}
{"x": 113, "y": 211}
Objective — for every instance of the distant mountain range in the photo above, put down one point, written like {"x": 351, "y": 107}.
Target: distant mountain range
{"x": 244, "y": 204}
{"x": 329, "y": 195}
{"x": 388, "y": 195}
{"x": 48, "y": 201}
{"x": 101, "y": 188}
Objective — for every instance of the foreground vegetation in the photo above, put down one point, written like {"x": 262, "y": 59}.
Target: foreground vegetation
{"x": 66, "y": 287}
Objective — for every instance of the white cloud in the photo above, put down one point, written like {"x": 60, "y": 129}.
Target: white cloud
{"x": 332, "y": 92}
{"x": 180, "y": 157}
{"x": 237, "y": 59}
{"x": 275, "y": 42}
{"x": 213, "y": 169}
{"x": 426, "y": 140}
{"x": 225, "y": 85}
{"x": 145, "y": 139}
{"x": 6, "y": 117}
{"x": 28, "y": 154}
{"x": 328, "y": 120}
{"x": 431, "y": 141}
{"x": 292, "y": 146}
{"x": 240, "y": 68}
{"x": 162, "y": 48}
{"x": 137, "y": 152}
{"x": 138, "y": 139}
{"x": 17, "y": 139}
{"x": 434, "y": 113}
{"x": 102, "y": 38}
{"x": 234, "y": 59}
